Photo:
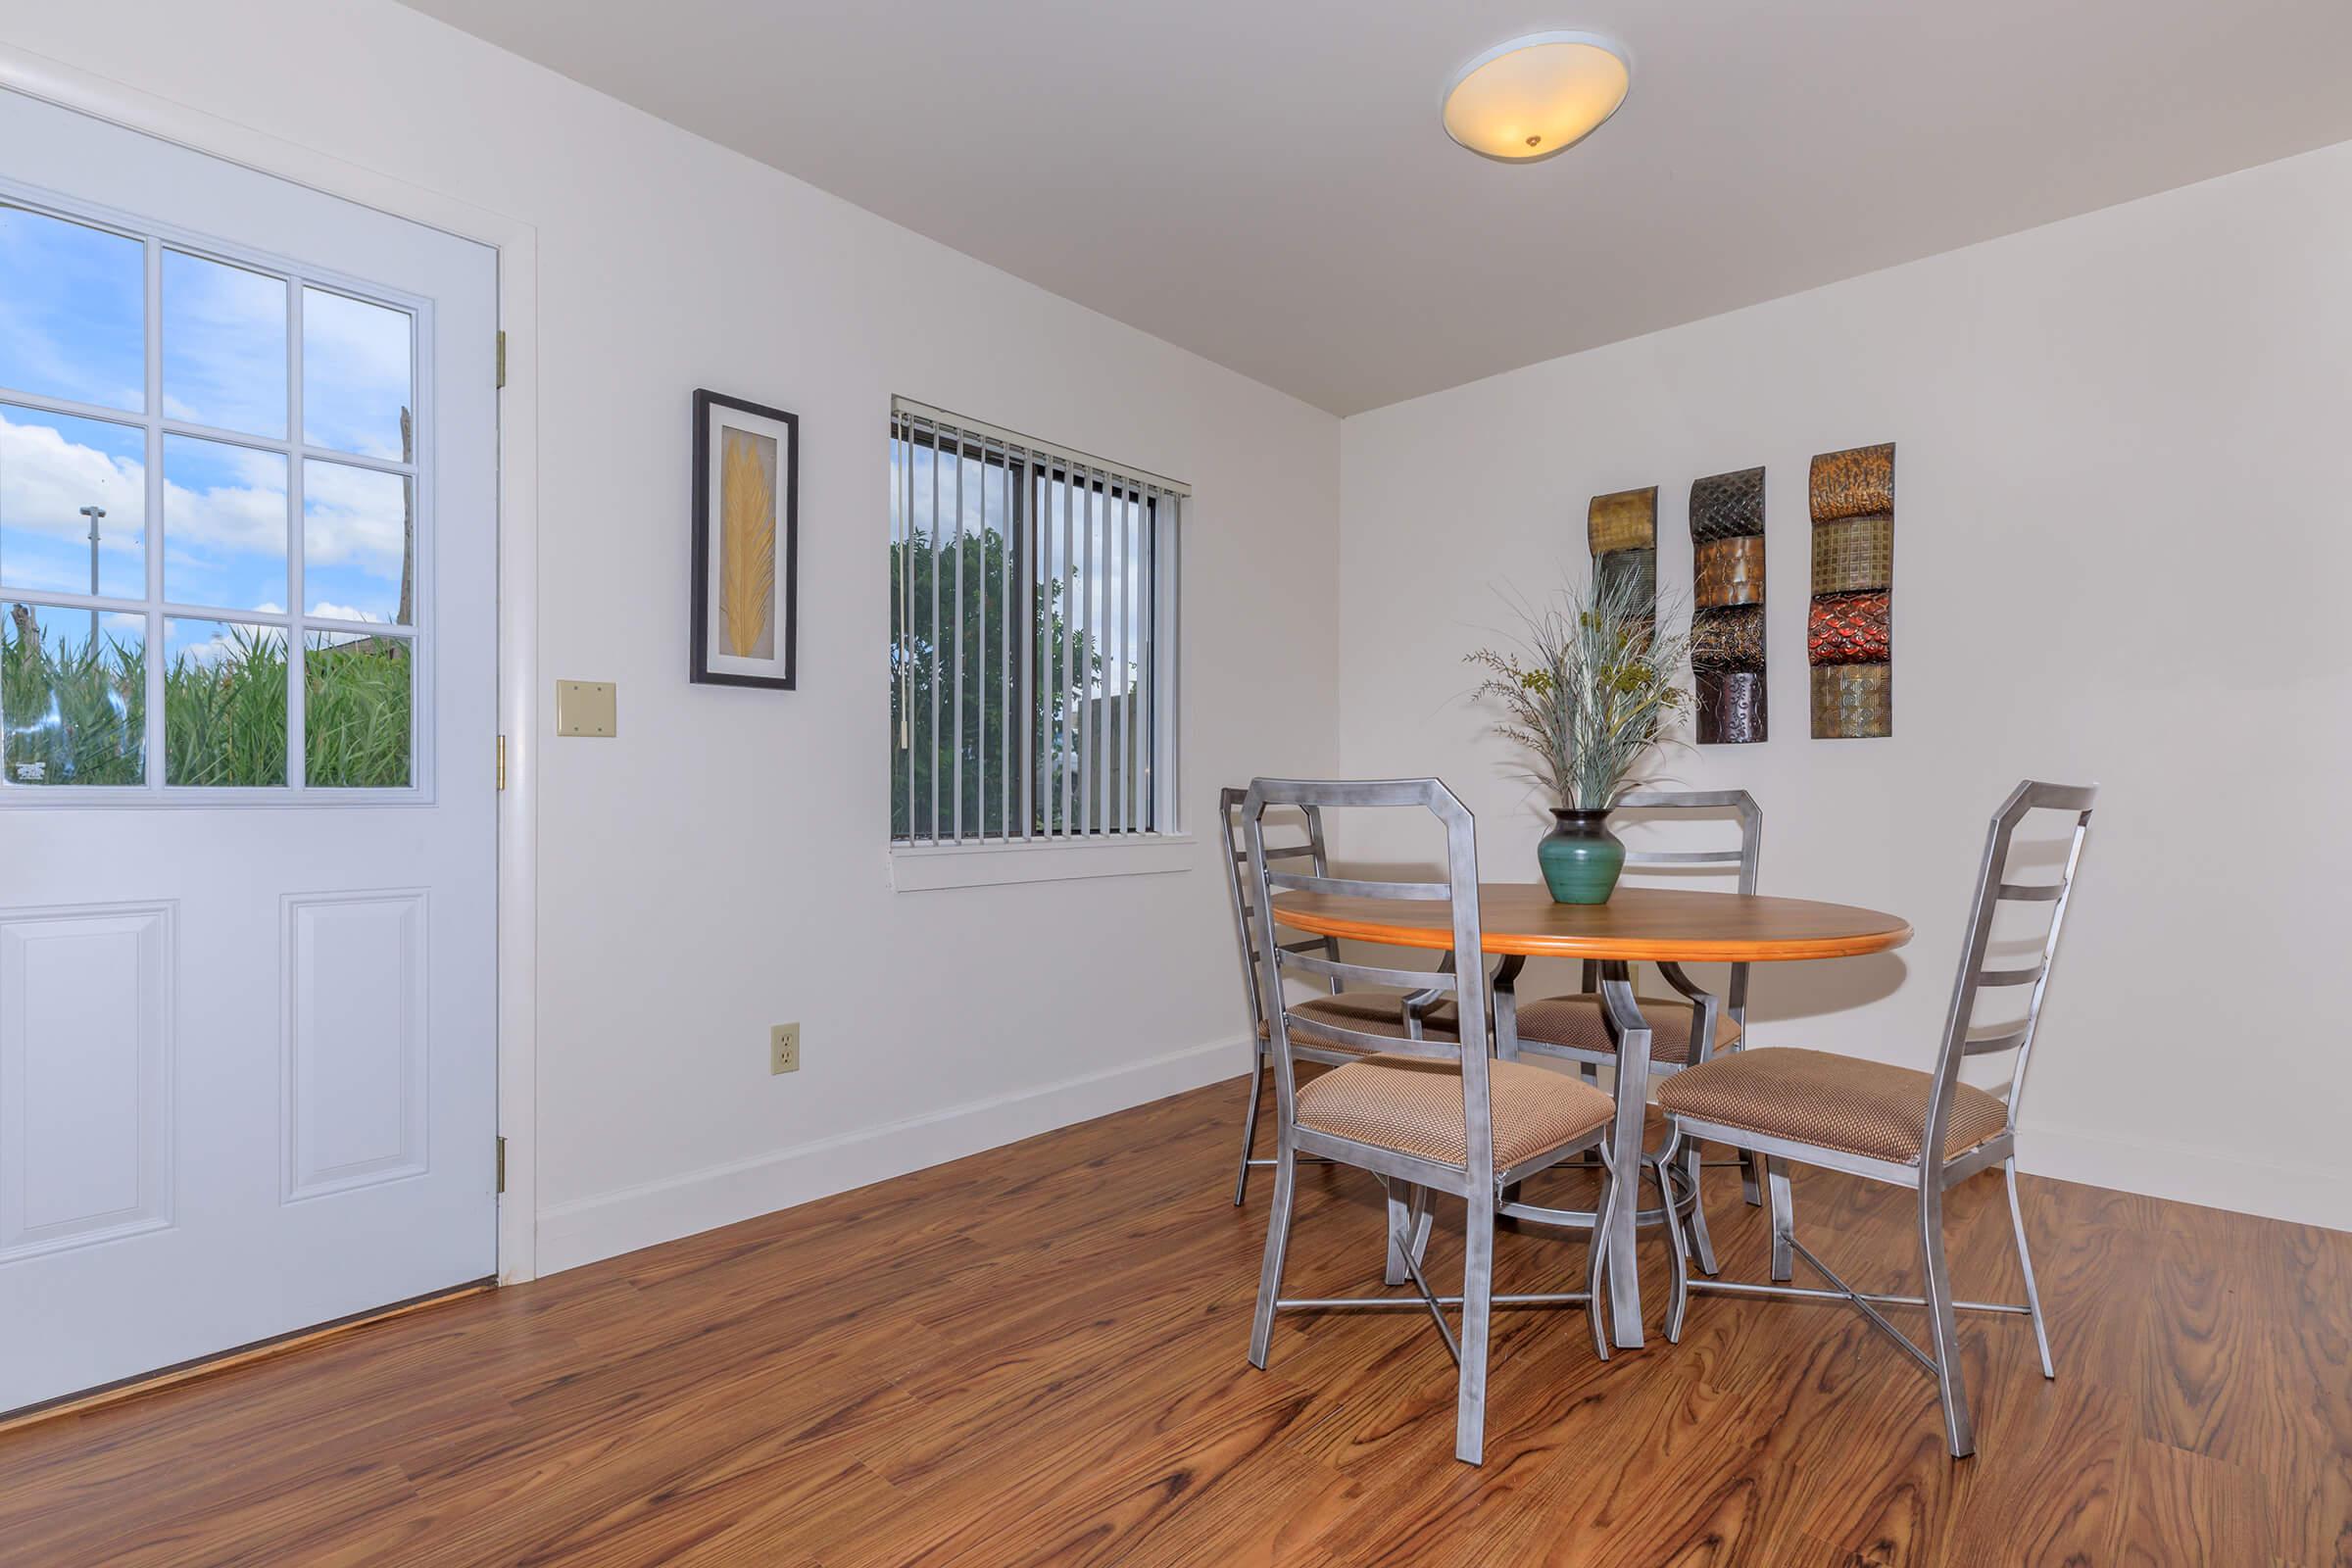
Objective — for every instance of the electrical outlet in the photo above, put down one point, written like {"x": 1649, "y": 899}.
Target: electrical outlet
{"x": 784, "y": 1048}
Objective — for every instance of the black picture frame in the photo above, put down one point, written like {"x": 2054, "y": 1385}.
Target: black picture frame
{"x": 788, "y": 546}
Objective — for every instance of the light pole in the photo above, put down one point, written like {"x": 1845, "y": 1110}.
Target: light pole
{"x": 95, "y": 515}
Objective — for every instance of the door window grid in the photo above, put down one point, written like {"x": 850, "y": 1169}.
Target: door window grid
{"x": 305, "y": 641}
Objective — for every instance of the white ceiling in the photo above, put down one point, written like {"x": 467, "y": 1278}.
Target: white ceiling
{"x": 1266, "y": 182}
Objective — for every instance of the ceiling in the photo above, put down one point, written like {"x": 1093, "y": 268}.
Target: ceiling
{"x": 1266, "y": 182}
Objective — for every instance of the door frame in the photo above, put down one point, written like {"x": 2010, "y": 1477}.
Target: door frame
{"x": 515, "y": 243}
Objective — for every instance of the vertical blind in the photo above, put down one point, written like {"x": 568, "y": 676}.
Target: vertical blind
{"x": 1027, "y": 643}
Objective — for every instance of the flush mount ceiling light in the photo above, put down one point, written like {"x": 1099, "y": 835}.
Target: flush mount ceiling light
{"x": 1536, "y": 96}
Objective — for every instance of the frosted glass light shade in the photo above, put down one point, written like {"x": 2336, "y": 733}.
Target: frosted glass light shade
{"x": 1536, "y": 96}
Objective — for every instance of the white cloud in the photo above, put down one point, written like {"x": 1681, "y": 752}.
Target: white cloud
{"x": 353, "y": 518}
{"x": 331, "y": 611}
{"x": 46, "y": 480}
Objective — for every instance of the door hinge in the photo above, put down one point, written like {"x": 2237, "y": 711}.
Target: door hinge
{"x": 501, "y": 762}
{"x": 502, "y": 359}
{"x": 502, "y": 1164}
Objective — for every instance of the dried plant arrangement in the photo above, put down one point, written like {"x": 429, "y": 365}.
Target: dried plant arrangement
{"x": 1589, "y": 688}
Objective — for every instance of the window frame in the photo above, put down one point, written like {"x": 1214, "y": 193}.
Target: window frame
{"x": 1034, "y": 469}
{"x": 296, "y": 793}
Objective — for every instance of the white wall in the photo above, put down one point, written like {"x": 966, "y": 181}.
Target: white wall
{"x": 2122, "y": 556}
{"x": 721, "y": 867}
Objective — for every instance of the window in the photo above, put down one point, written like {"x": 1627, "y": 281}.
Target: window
{"x": 209, "y": 539}
{"x": 1033, "y": 615}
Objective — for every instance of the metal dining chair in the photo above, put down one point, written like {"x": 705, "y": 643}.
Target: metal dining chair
{"x": 1384, "y": 1011}
{"x": 1873, "y": 1120}
{"x": 1430, "y": 1114}
{"x": 1577, "y": 1027}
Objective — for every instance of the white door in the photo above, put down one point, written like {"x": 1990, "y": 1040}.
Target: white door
{"x": 248, "y": 634}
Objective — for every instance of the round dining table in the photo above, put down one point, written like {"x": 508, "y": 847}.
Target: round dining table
{"x": 1665, "y": 926}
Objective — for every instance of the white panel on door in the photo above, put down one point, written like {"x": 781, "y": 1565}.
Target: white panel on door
{"x": 85, "y": 1076}
{"x": 355, "y": 1040}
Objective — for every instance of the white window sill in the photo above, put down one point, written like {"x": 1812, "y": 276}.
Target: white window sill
{"x": 927, "y": 867}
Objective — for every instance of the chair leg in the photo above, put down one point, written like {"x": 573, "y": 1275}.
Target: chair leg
{"x": 1944, "y": 1330}
{"x": 2025, "y": 1261}
{"x": 1257, "y": 1082}
{"x": 1678, "y": 1269}
{"x": 1701, "y": 1243}
{"x": 1409, "y": 1216}
{"x": 1477, "y": 1285}
{"x": 1596, "y": 1261}
{"x": 1783, "y": 1219}
{"x": 1750, "y": 1188}
{"x": 1590, "y": 1075}
{"x": 1278, "y": 1243}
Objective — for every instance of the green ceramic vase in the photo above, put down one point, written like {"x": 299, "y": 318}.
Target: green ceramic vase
{"x": 1580, "y": 857}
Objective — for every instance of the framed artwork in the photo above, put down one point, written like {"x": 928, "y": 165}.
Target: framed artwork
{"x": 745, "y": 542}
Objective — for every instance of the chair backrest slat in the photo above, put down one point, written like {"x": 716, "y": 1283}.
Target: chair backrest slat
{"x": 1237, "y": 886}
{"x": 1370, "y": 974}
{"x": 1962, "y": 1038}
{"x": 1342, "y": 887}
{"x": 1747, "y": 858}
{"x": 1472, "y": 1019}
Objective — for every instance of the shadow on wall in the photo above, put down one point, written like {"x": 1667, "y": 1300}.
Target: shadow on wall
{"x": 1782, "y": 990}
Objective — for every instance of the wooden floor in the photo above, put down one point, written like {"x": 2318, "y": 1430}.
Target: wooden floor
{"x": 1037, "y": 1356}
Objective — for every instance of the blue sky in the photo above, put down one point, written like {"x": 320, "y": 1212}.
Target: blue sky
{"x": 73, "y": 326}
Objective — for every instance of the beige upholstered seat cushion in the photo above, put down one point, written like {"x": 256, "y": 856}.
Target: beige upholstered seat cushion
{"x": 1371, "y": 1012}
{"x": 1581, "y": 1023}
{"x": 1831, "y": 1102}
{"x": 1414, "y": 1105}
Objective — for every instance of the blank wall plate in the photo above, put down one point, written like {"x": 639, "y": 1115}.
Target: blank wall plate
{"x": 784, "y": 1048}
{"x": 586, "y": 708}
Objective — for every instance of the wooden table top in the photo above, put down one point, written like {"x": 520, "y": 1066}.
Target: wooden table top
{"x": 1638, "y": 924}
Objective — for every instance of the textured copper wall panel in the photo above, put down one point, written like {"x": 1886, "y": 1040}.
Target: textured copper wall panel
{"x": 1727, "y": 618}
{"x": 1730, "y": 572}
{"x": 1849, "y": 633}
{"x": 1851, "y": 484}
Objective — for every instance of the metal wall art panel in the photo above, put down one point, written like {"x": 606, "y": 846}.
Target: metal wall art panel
{"x": 1727, "y": 618}
{"x": 1849, "y": 635}
{"x": 1728, "y": 506}
{"x": 1852, "y": 702}
{"x": 1640, "y": 568}
{"x": 1730, "y": 707}
{"x": 1728, "y": 639}
{"x": 1852, "y": 553}
{"x": 1854, "y": 483}
{"x": 1848, "y": 628}
{"x": 1728, "y": 571}
{"x": 1622, "y": 529}
{"x": 1625, "y": 521}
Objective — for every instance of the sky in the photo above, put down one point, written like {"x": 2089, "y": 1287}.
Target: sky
{"x": 1102, "y": 555}
{"x": 72, "y": 327}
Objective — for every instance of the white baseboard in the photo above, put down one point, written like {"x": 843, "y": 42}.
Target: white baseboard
{"x": 607, "y": 1224}
{"x": 2307, "y": 1195}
